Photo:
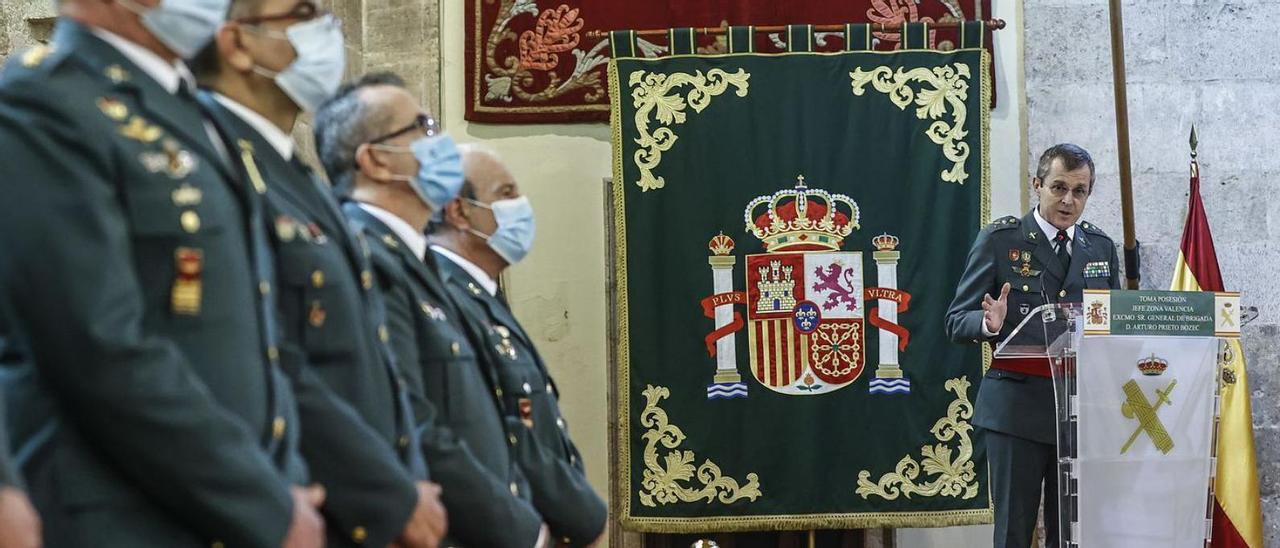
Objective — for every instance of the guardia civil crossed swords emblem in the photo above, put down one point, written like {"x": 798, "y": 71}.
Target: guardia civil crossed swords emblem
{"x": 1138, "y": 406}
{"x": 806, "y": 301}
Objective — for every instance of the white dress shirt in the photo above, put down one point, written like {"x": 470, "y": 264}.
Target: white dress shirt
{"x": 1052, "y": 231}
{"x": 278, "y": 139}
{"x": 486, "y": 281}
{"x": 415, "y": 239}
{"x": 169, "y": 75}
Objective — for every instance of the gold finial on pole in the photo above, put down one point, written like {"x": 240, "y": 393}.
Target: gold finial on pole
{"x": 1195, "y": 166}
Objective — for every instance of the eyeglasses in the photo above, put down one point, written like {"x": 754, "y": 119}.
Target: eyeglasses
{"x": 301, "y": 11}
{"x": 423, "y": 122}
{"x": 1059, "y": 191}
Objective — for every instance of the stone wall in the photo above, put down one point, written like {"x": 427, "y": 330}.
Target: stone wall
{"x": 1211, "y": 63}
{"x": 24, "y": 23}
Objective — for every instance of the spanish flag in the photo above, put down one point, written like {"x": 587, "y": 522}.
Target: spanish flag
{"x": 1237, "y": 512}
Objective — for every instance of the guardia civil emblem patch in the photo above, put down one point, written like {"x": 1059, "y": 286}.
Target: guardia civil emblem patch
{"x": 1137, "y": 406}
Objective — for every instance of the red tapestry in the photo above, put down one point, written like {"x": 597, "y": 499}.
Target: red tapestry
{"x": 530, "y": 61}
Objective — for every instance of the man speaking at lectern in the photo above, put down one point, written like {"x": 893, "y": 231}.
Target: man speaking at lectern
{"x": 1014, "y": 266}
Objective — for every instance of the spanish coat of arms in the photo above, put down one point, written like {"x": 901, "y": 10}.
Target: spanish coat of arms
{"x": 806, "y": 301}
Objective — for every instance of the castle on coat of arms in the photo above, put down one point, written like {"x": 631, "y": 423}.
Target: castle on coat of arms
{"x": 776, "y": 288}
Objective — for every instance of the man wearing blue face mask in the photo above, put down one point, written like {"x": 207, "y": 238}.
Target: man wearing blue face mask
{"x": 395, "y": 166}
{"x": 271, "y": 61}
{"x": 482, "y": 233}
{"x": 141, "y": 366}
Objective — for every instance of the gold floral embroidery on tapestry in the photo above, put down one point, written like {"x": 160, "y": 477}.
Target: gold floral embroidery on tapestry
{"x": 944, "y": 92}
{"x": 950, "y": 477}
{"x": 675, "y": 479}
{"x": 658, "y": 95}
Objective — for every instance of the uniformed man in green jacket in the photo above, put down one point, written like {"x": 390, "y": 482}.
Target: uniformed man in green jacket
{"x": 147, "y": 401}
{"x": 271, "y": 61}
{"x": 1015, "y": 266}
{"x": 382, "y": 149}
{"x": 482, "y": 233}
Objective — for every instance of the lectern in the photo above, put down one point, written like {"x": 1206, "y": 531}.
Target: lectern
{"x": 1136, "y": 379}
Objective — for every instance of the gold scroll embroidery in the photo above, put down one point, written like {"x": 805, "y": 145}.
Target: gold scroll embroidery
{"x": 949, "y": 89}
{"x": 664, "y": 483}
{"x": 953, "y": 477}
{"x": 655, "y": 94}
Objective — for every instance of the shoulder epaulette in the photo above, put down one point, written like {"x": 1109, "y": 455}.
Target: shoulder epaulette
{"x": 35, "y": 59}
{"x": 36, "y": 55}
{"x": 1093, "y": 229}
{"x": 1003, "y": 223}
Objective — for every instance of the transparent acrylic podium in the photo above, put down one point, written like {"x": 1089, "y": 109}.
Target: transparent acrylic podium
{"x": 1136, "y": 451}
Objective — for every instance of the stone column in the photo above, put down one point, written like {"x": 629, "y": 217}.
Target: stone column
{"x": 887, "y": 277}
{"x": 727, "y": 382}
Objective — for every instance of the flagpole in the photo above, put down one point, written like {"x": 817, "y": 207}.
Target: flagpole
{"x": 1132, "y": 265}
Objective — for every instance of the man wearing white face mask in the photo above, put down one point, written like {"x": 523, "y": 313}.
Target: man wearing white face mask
{"x": 395, "y": 166}
{"x": 141, "y": 367}
{"x": 486, "y": 230}
{"x": 271, "y": 61}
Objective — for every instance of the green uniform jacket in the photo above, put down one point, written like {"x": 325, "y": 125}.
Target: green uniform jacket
{"x": 466, "y": 442}
{"x": 148, "y": 404}
{"x": 1010, "y": 402}
{"x": 561, "y": 493}
{"x": 330, "y": 323}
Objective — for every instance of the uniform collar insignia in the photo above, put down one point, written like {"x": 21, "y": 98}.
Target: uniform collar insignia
{"x": 116, "y": 73}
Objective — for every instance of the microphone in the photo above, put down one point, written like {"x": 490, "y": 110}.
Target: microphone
{"x": 1043, "y": 296}
{"x": 1048, "y": 316}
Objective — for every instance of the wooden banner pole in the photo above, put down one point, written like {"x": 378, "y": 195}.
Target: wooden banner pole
{"x": 1131, "y": 261}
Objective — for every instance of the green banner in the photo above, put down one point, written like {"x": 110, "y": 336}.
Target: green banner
{"x": 789, "y": 232}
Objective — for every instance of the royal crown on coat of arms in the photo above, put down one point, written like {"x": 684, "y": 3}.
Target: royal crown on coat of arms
{"x": 806, "y": 304}
{"x": 802, "y": 218}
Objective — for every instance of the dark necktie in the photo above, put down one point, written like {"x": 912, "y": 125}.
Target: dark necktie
{"x": 1061, "y": 241}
